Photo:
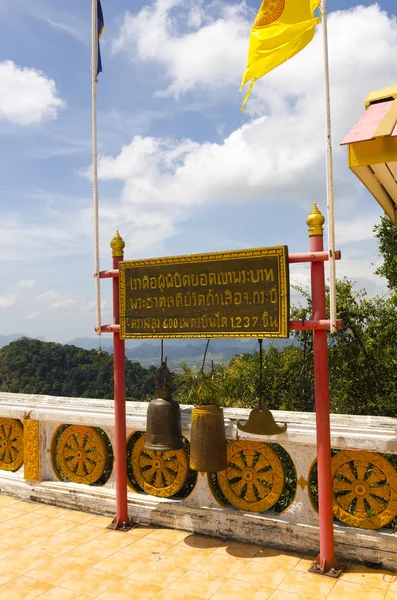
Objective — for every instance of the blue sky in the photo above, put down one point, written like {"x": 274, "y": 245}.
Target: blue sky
{"x": 181, "y": 169}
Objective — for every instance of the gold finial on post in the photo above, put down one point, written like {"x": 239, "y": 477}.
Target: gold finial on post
{"x": 117, "y": 245}
{"x": 315, "y": 221}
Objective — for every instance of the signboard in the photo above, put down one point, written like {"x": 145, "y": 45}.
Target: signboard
{"x": 243, "y": 294}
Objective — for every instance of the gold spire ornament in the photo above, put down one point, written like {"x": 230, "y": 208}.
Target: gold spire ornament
{"x": 315, "y": 221}
{"x": 117, "y": 245}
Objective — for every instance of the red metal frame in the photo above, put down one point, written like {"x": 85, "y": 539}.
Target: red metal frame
{"x": 326, "y": 561}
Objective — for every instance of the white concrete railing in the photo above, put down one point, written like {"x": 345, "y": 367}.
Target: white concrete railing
{"x": 367, "y": 500}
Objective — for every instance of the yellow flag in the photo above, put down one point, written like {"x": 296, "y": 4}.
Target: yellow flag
{"x": 281, "y": 29}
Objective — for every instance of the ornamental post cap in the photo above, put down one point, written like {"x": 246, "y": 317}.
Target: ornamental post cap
{"x": 315, "y": 221}
{"x": 117, "y": 245}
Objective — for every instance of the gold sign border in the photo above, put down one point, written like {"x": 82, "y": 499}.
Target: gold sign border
{"x": 283, "y": 280}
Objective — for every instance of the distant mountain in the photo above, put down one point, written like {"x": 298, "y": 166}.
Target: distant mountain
{"x": 7, "y": 339}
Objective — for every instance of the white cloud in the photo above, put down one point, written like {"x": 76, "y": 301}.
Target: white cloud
{"x": 277, "y": 155}
{"x": 32, "y": 315}
{"x": 27, "y": 96}
{"x": 27, "y": 284}
{"x": 212, "y": 52}
{"x": 54, "y": 299}
{"x": 7, "y": 301}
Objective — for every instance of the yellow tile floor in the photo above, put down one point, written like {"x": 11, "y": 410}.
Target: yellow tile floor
{"x": 56, "y": 554}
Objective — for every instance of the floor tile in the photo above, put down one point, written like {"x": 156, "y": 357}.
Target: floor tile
{"x": 305, "y": 563}
{"x": 8, "y": 550}
{"x": 242, "y": 590}
{"x": 22, "y": 538}
{"x": 92, "y": 582}
{"x": 262, "y": 575}
{"x": 89, "y": 554}
{"x": 140, "y": 531}
{"x": 115, "y": 539}
{"x": 131, "y": 589}
{"x": 281, "y": 595}
{"x": 23, "y": 588}
{"x": 98, "y": 521}
{"x": 239, "y": 550}
{"x": 7, "y": 500}
{"x": 391, "y": 595}
{"x": 161, "y": 573}
{"x": 201, "y": 541}
{"x": 80, "y": 534}
{"x": 184, "y": 556}
{"x": 8, "y": 512}
{"x": 145, "y": 548}
{"x": 169, "y": 594}
{"x": 49, "y": 544}
{"x": 30, "y": 519}
{"x": 372, "y": 577}
{"x": 76, "y": 516}
{"x": 57, "y": 570}
{"x": 274, "y": 558}
{"x": 314, "y": 586}
{"x": 49, "y": 511}
{"x": 8, "y": 576}
{"x": 121, "y": 564}
{"x": 355, "y": 591}
{"x": 23, "y": 561}
{"x": 203, "y": 586}
{"x": 59, "y": 593}
{"x": 27, "y": 506}
{"x": 218, "y": 564}
{"x": 171, "y": 536}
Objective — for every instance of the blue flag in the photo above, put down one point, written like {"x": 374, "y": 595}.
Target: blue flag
{"x": 101, "y": 28}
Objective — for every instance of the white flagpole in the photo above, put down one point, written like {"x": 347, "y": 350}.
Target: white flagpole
{"x": 94, "y": 69}
{"x": 330, "y": 176}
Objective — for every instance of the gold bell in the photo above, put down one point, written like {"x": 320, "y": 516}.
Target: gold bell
{"x": 208, "y": 439}
{"x": 261, "y": 422}
{"x": 163, "y": 423}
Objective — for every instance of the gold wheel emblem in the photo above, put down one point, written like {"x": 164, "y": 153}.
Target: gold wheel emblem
{"x": 254, "y": 478}
{"x": 11, "y": 444}
{"x": 81, "y": 454}
{"x": 270, "y": 11}
{"x": 365, "y": 489}
{"x": 160, "y": 474}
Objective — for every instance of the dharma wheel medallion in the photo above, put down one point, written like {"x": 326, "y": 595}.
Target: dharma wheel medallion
{"x": 365, "y": 489}
{"x": 254, "y": 478}
{"x": 81, "y": 454}
{"x": 269, "y": 11}
{"x": 11, "y": 444}
{"x": 159, "y": 473}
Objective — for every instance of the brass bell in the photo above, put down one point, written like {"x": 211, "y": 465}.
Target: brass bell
{"x": 163, "y": 425}
{"x": 261, "y": 420}
{"x": 208, "y": 439}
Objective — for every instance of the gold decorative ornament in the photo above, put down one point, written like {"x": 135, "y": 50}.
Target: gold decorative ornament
{"x": 315, "y": 221}
{"x": 161, "y": 474}
{"x": 31, "y": 444}
{"x": 364, "y": 489}
{"x": 254, "y": 478}
{"x": 11, "y": 444}
{"x": 117, "y": 245}
{"x": 81, "y": 454}
{"x": 269, "y": 11}
{"x": 302, "y": 483}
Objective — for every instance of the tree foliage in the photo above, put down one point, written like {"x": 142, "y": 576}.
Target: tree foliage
{"x": 362, "y": 363}
{"x": 34, "y": 367}
{"x": 386, "y": 233}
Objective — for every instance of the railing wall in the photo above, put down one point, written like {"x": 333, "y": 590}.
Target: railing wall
{"x": 60, "y": 451}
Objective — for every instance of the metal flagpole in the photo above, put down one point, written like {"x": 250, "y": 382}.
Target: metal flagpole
{"x": 330, "y": 176}
{"x": 94, "y": 72}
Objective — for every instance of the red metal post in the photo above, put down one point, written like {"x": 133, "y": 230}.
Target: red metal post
{"x": 326, "y": 561}
{"x": 121, "y": 520}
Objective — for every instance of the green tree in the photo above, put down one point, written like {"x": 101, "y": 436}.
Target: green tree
{"x": 386, "y": 233}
